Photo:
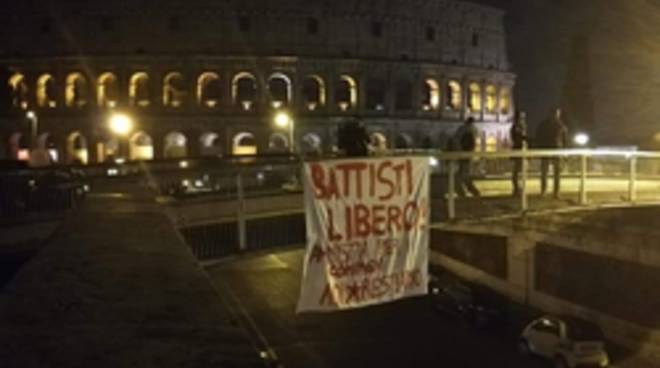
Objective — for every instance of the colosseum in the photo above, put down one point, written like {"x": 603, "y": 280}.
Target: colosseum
{"x": 207, "y": 78}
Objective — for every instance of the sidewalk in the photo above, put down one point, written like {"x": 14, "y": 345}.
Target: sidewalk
{"x": 116, "y": 287}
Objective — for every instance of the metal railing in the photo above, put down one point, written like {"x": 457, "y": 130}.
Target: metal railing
{"x": 622, "y": 165}
{"x": 587, "y": 177}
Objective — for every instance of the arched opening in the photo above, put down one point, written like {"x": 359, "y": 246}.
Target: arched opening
{"x": 210, "y": 144}
{"x": 454, "y": 97}
{"x": 138, "y": 90}
{"x": 19, "y": 147}
{"x": 76, "y": 149}
{"x": 174, "y": 90}
{"x": 46, "y": 143}
{"x": 491, "y": 99}
{"x": 313, "y": 92}
{"x": 376, "y": 89}
{"x": 474, "y": 97}
{"x": 430, "y": 95}
{"x": 108, "y": 150}
{"x": 403, "y": 141}
{"x": 244, "y": 144}
{"x": 403, "y": 96}
{"x": 46, "y": 91}
{"x": 311, "y": 144}
{"x": 378, "y": 141}
{"x": 141, "y": 147}
{"x": 279, "y": 87}
{"x": 107, "y": 90}
{"x": 278, "y": 143}
{"x": 75, "y": 93}
{"x": 19, "y": 91}
{"x": 209, "y": 90}
{"x": 427, "y": 142}
{"x": 346, "y": 93}
{"x": 176, "y": 145}
{"x": 505, "y": 101}
{"x": 244, "y": 91}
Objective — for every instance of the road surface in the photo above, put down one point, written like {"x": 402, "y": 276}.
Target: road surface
{"x": 407, "y": 334}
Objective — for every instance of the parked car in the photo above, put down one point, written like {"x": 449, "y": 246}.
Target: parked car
{"x": 470, "y": 305}
{"x": 570, "y": 342}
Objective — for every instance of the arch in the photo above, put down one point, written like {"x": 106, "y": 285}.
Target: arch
{"x": 19, "y": 147}
{"x": 76, "y": 90}
{"x": 244, "y": 144}
{"x": 346, "y": 93}
{"x": 209, "y": 89}
{"x": 403, "y": 95}
{"x": 403, "y": 141}
{"x": 210, "y": 144}
{"x": 430, "y": 95}
{"x": 505, "y": 101}
{"x": 175, "y": 145}
{"x": 311, "y": 144}
{"x": 108, "y": 149}
{"x": 19, "y": 91}
{"x": 244, "y": 90}
{"x": 474, "y": 97}
{"x": 76, "y": 149}
{"x": 46, "y": 143}
{"x": 174, "y": 90}
{"x": 376, "y": 89}
{"x": 141, "y": 147}
{"x": 427, "y": 142}
{"x": 278, "y": 142}
{"x": 279, "y": 88}
{"x": 138, "y": 90}
{"x": 491, "y": 99}
{"x": 454, "y": 97}
{"x": 46, "y": 91}
{"x": 107, "y": 90}
{"x": 313, "y": 92}
{"x": 378, "y": 141}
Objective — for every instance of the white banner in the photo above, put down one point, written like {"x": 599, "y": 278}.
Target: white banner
{"x": 367, "y": 232}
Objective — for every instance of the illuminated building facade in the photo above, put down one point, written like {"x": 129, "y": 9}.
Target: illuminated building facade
{"x": 206, "y": 78}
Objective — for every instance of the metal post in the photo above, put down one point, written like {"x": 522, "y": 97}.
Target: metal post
{"x": 583, "y": 179}
{"x": 240, "y": 202}
{"x": 632, "y": 181}
{"x": 524, "y": 205}
{"x": 451, "y": 190}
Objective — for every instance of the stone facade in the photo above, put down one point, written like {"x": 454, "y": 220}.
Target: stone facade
{"x": 208, "y": 78}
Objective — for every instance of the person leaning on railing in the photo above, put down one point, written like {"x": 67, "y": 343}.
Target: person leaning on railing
{"x": 551, "y": 134}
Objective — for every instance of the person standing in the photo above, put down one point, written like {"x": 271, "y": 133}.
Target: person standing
{"x": 353, "y": 139}
{"x": 518, "y": 136}
{"x": 552, "y": 134}
{"x": 465, "y": 139}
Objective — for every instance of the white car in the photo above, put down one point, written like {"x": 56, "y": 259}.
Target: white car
{"x": 571, "y": 342}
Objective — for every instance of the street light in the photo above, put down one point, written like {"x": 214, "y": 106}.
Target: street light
{"x": 581, "y": 139}
{"x": 120, "y": 125}
{"x": 283, "y": 120}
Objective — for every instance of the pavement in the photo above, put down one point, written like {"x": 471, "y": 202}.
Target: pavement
{"x": 409, "y": 333}
{"x": 116, "y": 287}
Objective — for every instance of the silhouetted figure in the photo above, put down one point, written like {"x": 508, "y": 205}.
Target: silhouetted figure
{"x": 551, "y": 134}
{"x": 466, "y": 140}
{"x": 518, "y": 135}
{"x": 353, "y": 139}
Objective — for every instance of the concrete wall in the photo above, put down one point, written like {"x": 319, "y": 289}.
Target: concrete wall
{"x": 602, "y": 265}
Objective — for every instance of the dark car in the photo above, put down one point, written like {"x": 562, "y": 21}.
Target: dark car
{"x": 475, "y": 307}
